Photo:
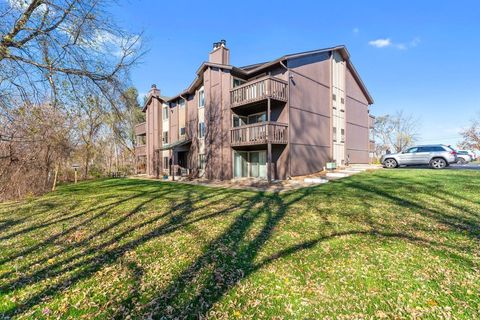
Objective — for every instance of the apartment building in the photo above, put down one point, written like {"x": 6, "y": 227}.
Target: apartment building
{"x": 274, "y": 120}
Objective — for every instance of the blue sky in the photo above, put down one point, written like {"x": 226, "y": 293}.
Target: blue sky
{"x": 416, "y": 56}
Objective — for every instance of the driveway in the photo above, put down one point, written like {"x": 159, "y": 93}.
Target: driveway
{"x": 468, "y": 166}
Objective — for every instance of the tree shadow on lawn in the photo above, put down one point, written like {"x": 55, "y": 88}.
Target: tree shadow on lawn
{"x": 93, "y": 257}
{"x": 464, "y": 220}
{"x": 225, "y": 261}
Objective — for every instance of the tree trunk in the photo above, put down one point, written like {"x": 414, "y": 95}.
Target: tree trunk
{"x": 55, "y": 178}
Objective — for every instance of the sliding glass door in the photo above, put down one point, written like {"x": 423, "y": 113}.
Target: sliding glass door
{"x": 240, "y": 164}
{"x": 250, "y": 164}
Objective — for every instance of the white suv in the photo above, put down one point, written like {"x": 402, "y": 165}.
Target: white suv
{"x": 438, "y": 156}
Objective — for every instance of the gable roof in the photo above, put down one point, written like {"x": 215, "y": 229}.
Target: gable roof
{"x": 150, "y": 97}
{"x": 251, "y": 70}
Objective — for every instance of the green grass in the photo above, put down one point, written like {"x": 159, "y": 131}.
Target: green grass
{"x": 388, "y": 244}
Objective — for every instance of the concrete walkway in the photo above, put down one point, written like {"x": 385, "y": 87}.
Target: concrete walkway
{"x": 277, "y": 186}
{"x": 324, "y": 177}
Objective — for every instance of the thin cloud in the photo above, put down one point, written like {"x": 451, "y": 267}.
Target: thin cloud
{"x": 387, "y": 42}
{"x": 356, "y": 30}
{"x": 380, "y": 43}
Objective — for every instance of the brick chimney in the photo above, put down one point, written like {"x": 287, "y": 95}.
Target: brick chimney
{"x": 154, "y": 91}
{"x": 220, "y": 53}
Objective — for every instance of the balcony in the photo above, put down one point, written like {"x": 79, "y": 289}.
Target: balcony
{"x": 258, "y": 90}
{"x": 140, "y": 151}
{"x": 140, "y": 129}
{"x": 371, "y": 145}
{"x": 259, "y": 133}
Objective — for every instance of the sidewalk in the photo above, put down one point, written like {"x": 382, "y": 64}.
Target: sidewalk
{"x": 276, "y": 185}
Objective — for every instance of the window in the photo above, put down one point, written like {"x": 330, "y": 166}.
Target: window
{"x": 237, "y": 82}
{"x": 165, "y": 137}
{"x": 412, "y": 150}
{"x": 201, "y": 161}
{"x": 201, "y": 130}
{"x": 342, "y": 101}
{"x": 165, "y": 113}
{"x": 165, "y": 163}
{"x": 257, "y": 118}
{"x": 239, "y": 121}
{"x": 201, "y": 98}
{"x": 181, "y": 103}
{"x": 182, "y": 131}
{"x": 334, "y": 97}
{"x": 334, "y": 134}
{"x": 342, "y": 135}
{"x": 141, "y": 140}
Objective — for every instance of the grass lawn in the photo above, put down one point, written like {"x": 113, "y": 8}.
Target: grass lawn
{"x": 390, "y": 244}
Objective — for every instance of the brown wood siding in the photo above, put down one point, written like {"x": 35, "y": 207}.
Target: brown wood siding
{"x": 309, "y": 114}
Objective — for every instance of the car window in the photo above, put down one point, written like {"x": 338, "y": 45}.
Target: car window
{"x": 424, "y": 149}
{"x": 412, "y": 150}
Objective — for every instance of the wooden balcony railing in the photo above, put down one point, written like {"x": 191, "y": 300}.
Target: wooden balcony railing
{"x": 140, "y": 129}
{"x": 140, "y": 151}
{"x": 259, "y": 133}
{"x": 257, "y": 90}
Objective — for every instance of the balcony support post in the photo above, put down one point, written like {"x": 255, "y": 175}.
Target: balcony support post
{"x": 269, "y": 145}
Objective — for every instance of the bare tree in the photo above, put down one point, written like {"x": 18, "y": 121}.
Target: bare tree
{"x": 38, "y": 143}
{"x": 90, "y": 120}
{"x": 123, "y": 122}
{"x": 396, "y": 132}
{"x": 471, "y": 136}
{"x": 48, "y": 47}
{"x": 54, "y": 56}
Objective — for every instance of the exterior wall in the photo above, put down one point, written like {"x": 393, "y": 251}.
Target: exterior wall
{"x": 153, "y": 132}
{"x": 217, "y": 83}
{"x": 309, "y": 114}
{"x": 357, "y": 118}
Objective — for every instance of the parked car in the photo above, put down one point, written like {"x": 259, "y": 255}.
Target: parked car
{"x": 463, "y": 157}
{"x": 438, "y": 156}
{"x": 472, "y": 154}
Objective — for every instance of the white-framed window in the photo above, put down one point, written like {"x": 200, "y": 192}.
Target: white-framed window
{"x": 182, "y": 131}
{"x": 201, "y": 97}
{"x": 342, "y": 135}
{"x": 201, "y": 130}
{"x": 201, "y": 161}
{"x": 334, "y": 134}
{"x": 165, "y": 112}
{"x": 334, "y": 97}
{"x": 181, "y": 103}
{"x": 165, "y": 137}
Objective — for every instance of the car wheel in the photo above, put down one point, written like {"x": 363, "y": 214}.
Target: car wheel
{"x": 390, "y": 163}
{"x": 461, "y": 161}
{"x": 438, "y": 163}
